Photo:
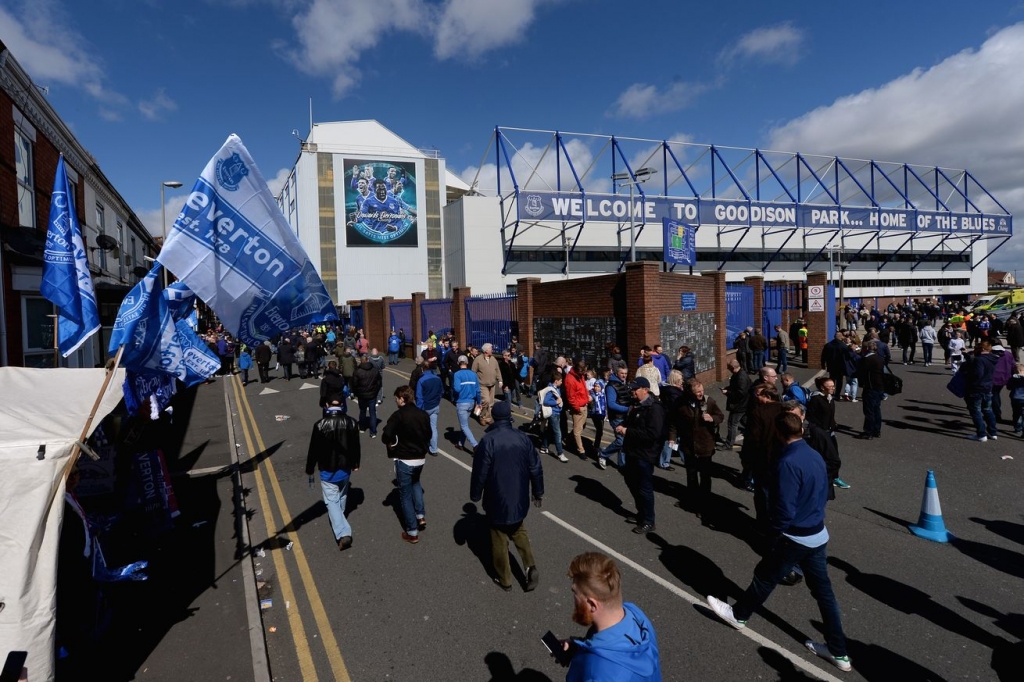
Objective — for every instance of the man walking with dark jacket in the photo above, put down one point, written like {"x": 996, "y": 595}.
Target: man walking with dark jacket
{"x": 407, "y": 438}
{"x": 334, "y": 449}
{"x": 332, "y": 387}
{"x": 799, "y": 494}
{"x": 871, "y": 376}
{"x": 643, "y": 435}
{"x": 505, "y": 468}
{"x": 366, "y": 383}
{"x": 737, "y": 399}
{"x": 261, "y": 354}
{"x": 981, "y": 371}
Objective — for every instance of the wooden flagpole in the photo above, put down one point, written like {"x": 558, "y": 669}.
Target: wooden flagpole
{"x": 96, "y": 406}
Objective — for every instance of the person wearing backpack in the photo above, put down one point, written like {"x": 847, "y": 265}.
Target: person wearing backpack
{"x": 334, "y": 449}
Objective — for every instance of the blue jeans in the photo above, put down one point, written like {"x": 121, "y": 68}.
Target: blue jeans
{"x": 776, "y": 565}
{"x": 981, "y": 412}
{"x": 927, "y": 348}
{"x": 1018, "y": 415}
{"x": 433, "y": 428}
{"x": 666, "y": 455}
{"x": 851, "y": 388}
{"x": 555, "y": 421}
{"x": 639, "y": 475}
{"x": 368, "y": 406}
{"x": 616, "y": 445}
{"x": 335, "y": 497}
{"x": 758, "y": 359}
{"x": 464, "y": 410}
{"x": 782, "y": 354}
{"x": 872, "y": 403}
{"x": 393, "y": 358}
{"x": 410, "y": 492}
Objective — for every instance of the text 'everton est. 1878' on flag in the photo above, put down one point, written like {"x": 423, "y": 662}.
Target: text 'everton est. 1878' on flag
{"x": 66, "y": 280}
{"x": 154, "y": 341}
{"x": 233, "y": 247}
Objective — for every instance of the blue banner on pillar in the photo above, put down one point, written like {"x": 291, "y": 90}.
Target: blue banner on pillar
{"x": 680, "y": 243}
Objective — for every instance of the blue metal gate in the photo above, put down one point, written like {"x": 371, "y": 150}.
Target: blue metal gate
{"x": 783, "y": 303}
{"x": 492, "y": 319}
{"x": 401, "y": 318}
{"x": 739, "y": 310}
{"x": 436, "y": 316}
{"x": 357, "y": 316}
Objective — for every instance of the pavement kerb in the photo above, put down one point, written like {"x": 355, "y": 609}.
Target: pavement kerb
{"x": 257, "y": 641}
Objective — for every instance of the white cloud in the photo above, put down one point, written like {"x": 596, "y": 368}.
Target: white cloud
{"x": 964, "y": 112}
{"x": 174, "y": 202}
{"x": 276, "y": 183}
{"x": 54, "y": 53}
{"x": 535, "y": 169}
{"x": 333, "y": 34}
{"x": 642, "y": 100}
{"x": 779, "y": 44}
{"x": 154, "y": 107}
{"x": 468, "y": 28}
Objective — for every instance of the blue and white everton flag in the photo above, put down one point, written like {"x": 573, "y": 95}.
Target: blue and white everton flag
{"x": 154, "y": 342}
{"x": 180, "y": 300}
{"x": 232, "y": 246}
{"x": 66, "y": 279}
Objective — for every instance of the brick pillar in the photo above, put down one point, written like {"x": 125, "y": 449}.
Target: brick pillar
{"x": 757, "y": 284}
{"x": 721, "y": 352}
{"x": 373, "y": 323}
{"x": 819, "y": 329}
{"x": 386, "y": 318}
{"x": 417, "y": 332}
{"x": 524, "y": 305}
{"x": 643, "y": 322}
{"x": 459, "y": 296}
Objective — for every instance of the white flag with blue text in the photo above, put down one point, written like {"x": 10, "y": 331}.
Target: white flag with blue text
{"x": 154, "y": 341}
{"x": 232, "y": 246}
{"x": 66, "y": 280}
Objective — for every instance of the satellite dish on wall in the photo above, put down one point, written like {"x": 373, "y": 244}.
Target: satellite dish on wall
{"x": 140, "y": 271}
{"x": 106, "y": 242}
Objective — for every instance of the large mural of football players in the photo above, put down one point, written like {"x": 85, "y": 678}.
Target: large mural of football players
{"x": 380, "y": 203}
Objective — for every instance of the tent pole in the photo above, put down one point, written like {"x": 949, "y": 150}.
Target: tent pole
{"x": 96, "y": 405}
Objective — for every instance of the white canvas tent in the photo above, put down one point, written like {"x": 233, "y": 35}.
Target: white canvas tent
{"x": 38, "y": 407}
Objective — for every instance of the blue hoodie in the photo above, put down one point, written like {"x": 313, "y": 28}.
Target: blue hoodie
{"x": 625, "y": 652}
{"x": 428, "y": 391}
{"x": 466, "y": 386}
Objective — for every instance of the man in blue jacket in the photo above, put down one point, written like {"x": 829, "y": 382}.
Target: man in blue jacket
{"x": 394, "y": 345}
{"x": 798, "y": 497}
{"x": 619, "y": 401}
{"x": 979, "y": 392}
{"x": 505, "y": 468}
{"x": 428, "y": 398}
{"x": 620, "y": 643}
{"x": 466, "y": 389}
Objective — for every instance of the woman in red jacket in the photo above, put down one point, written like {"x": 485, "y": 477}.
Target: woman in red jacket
{"x": 578, "y": 397}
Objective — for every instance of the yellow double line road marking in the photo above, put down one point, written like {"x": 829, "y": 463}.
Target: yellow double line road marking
{"x": 306, "y": 666}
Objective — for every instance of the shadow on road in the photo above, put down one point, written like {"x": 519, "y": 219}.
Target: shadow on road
{"x": 787, "y": 671}
{"x": 1013, "y": 532}
{"x": 501, "y": 670}
{"x": 473, "y": 531}
{"x": 595, "y": 491}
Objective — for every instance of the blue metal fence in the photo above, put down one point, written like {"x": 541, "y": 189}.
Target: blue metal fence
{"x": 739, "y": 310}
{"x": 778, "y": 299}
{"x": 357, "y": 316}
{"x": 492, "y": 319}
{"x": 401, "y": 318}
{"x": 436, "y": 316}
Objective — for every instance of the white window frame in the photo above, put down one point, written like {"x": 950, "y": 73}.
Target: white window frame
{"x": 24, "y": 144}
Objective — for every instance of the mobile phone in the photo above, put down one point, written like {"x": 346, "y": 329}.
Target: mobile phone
{"x": 553, "y": 644}
{"x": 16, "y": 663}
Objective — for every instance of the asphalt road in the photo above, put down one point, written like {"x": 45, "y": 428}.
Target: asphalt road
{"x": 387, "y": 610}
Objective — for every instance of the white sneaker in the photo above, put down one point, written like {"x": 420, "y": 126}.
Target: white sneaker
{"x": 724, "y": 612}
{"x": 993, "y": 437}
{"x": 563, "y": 458}
{"x": 821, "y": 649}
{"x": 602, "y": 462}
{"x": 980, "y": 439}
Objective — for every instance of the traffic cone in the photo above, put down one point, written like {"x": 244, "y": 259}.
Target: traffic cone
{"x": 930, "y": 525}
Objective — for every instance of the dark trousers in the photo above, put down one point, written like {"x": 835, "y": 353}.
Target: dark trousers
{"x": 776, "y": 565}
{"x": 872, "y": 402}
{"x": 698, "y": 482}
{"x": 639, "y": 475}
{"x": 500, "y": 536}
{"x": 368, "y": 414}
{"x": 598, "y": 420}
{"x": 264, "y": 370}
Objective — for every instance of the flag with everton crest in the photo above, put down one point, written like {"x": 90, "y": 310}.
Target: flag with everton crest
{"x": 232, "y": 246}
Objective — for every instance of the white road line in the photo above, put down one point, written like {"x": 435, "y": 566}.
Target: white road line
{"x": 456, "y": 460}
{"x": 797, "y": 661}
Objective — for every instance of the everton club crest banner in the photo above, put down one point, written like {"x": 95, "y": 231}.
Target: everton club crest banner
{"x": 380, "y": 203}
{"x": 233, "y": 247}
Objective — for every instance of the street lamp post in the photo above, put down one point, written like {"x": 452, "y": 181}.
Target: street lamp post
{"x": 625, "y": 179}
{"x": 173, "y": 184}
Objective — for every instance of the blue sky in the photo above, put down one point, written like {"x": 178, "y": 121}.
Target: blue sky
{"x": 152, "y": 88}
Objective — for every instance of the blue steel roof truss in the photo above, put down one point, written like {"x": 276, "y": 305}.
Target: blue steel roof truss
{"x": 869, "y": 187}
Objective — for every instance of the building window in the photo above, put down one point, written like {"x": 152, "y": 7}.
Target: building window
{"x": 99, "y": 228}
{"x": 37, "y": 331}
{"x": 119, "y": 249}
{"x": 26, "y": 187}
{"x": 133, "y": 257}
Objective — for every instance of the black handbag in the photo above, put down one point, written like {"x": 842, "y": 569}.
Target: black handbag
{"x": 891, "y": 383}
